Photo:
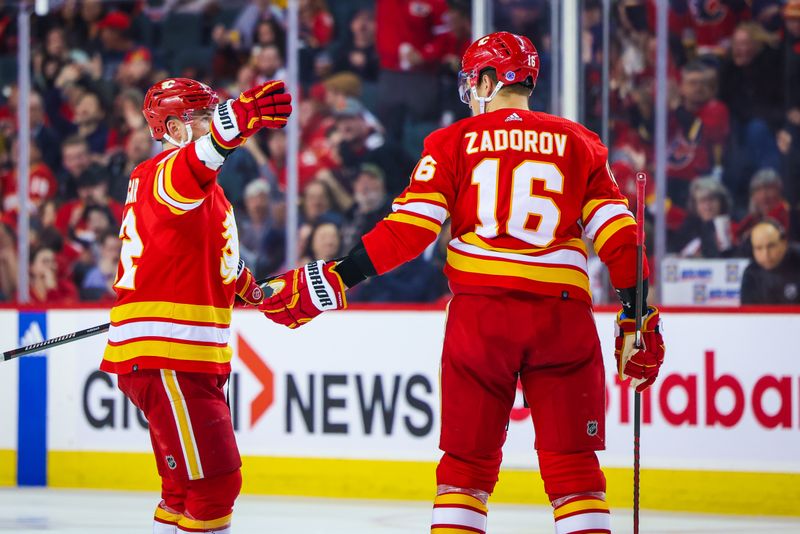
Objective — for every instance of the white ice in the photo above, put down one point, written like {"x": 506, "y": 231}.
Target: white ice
{"x": 24, "y": 510}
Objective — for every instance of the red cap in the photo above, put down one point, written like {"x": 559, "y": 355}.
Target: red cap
{"x": 115, "y": 20}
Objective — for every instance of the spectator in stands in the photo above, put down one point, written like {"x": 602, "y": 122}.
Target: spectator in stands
{"x": 98, "y": 283}
{"x": 92, "y": 191}
{"x": 766, "y": 201}
{"x": 318, "y": 204}
{"x": 355, "y": 141}
{"x": 90, "y": 120}
{"x": 774, "y": 275}
{"x": 699, "y": 128}
{"x": 324, "y": 243}
{"x": 268, "y": 64}
{"x": 755, "y": 100}
{"x": 136, "y": 70}
{"x": 371, "y": 205}
{"x": 706, "y": 231}
{"x": 41, "y": 180}
{"x": 250, "y": 16}
{"x": 316, "y": 23}
{"x": 255, "y": 222}
{"x": 138, "y": 148}
{"x": 358, "y": 53}
{"x": 411, "y": 45}
{"x": 789, "y": 135}
{"x": 8, "y": 263}
{"x": 114, "y": 34}
{"x": 46, "y": 138}
{"x": 75, "y": 159}
{"x": 47, "y": 284}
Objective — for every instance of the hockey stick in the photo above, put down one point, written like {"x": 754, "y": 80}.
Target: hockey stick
{"x": 75, "y": 336}
{"x": 641, "y": 181}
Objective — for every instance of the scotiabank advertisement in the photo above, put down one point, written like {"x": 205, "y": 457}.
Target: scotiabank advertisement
{"x": 364, "y": 384}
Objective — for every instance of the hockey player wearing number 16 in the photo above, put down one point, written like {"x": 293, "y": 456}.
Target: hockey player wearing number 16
{"x": 520, "y": 188}
{"x": 177, "y": 278}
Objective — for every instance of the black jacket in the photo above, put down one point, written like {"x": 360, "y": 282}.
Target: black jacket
{"x": 781, "y": 285}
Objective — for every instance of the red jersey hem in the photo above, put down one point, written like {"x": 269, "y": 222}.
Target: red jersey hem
{"x": 154, "y": 362}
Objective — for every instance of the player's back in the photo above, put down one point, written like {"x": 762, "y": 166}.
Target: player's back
{"x": 524, "y": 187}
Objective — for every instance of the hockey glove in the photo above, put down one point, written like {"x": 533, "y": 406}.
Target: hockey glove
{"x": 300, "y": 295}
{"x": 246, "y": 287}
{"x": 264, "y": 106}
{"x": 641, "y": 365}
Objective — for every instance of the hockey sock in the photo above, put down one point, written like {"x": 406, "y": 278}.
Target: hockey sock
{"x": 189, "y": 525}
{"x": 165, "y": 520}
{"x": 459, "y": 511}
{"x": 585, "y": 513}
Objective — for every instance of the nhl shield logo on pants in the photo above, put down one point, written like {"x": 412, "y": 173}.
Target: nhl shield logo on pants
{"x": 171, "y": 463}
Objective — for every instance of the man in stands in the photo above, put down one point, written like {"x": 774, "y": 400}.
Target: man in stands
{"x": 178, "y": 274}
{"x": 774, "y": 276}
{"x": 520, "y": 187}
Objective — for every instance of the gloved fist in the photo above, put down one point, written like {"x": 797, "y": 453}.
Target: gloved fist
{"x": 641, "y": 365}
{"x": 300, "y": 295}
{"x": 246, "y": 287}
{"x": 264, "y": 106}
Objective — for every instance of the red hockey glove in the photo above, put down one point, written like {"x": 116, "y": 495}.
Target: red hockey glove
{"x": 246, "y": 287}
{"x": 300, "y": 295}
{"x": 641, "y": 365}
{"x": 263, "y": 106}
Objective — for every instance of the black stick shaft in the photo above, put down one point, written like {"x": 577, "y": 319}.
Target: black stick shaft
{"x": 54, "y": 342}
{"x": 80, "y": 334}
{"x": 641, "y": 181}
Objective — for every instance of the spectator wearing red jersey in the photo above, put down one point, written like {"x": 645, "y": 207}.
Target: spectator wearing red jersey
{"x": 92, "y": 191}
{"x": 316, "y": 23}
{"x": 699, "y": 128}
{"x": 41, "y": 180}
{"x": 47, "y": 284}
{"x": 712, "y": 23}
{"x": 411, "y": 45}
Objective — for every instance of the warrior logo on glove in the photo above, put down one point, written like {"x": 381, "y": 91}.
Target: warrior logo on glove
{"x": 300, "y": 295}
{"x": 639, "y": 364}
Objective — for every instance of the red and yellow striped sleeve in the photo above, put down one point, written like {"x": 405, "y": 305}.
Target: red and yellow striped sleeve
{"x": 608, "y": 222}
{"x": 417, "y": 214}
{"x": 182, "y": 181}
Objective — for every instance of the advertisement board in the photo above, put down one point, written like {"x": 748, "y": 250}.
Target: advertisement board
{"x": 364, "y": 385}
{"x": 702, "y": 282}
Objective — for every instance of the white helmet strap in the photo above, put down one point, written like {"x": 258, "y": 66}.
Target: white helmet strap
{"x": 483, "y": 100}
{"x": 188, "y": 137}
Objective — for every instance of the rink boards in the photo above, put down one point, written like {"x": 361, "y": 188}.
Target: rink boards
{"x": 348, "y": 406}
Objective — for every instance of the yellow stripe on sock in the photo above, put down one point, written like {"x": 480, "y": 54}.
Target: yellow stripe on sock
{"x": 460, "y": 498}
{"x": 577, "y": 506}
{"x": 449, "y": 530}
{"x": 197, "y": 524}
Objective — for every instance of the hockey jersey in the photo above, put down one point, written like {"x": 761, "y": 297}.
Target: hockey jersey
{"x": 520, "y": 189}
{"x": 177, "y": 270}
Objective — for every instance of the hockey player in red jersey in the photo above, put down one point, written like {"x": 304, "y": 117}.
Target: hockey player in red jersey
{"x": 520, "y": 188}
{"x": 178, "y": 274}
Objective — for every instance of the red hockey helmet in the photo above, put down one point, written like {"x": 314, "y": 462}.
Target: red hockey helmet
{"x": 175, "y": 97}
{"x": 513, "y": 57}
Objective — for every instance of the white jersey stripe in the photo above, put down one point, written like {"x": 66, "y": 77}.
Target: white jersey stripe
{"x": 182, "y": 332}
{"x": 433, "y": 211}
{"x": 561, "y": 257}
{"x": 580, "y": 522}
{"x": 602, "y": 216}
{"x": 458, "y": 516}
